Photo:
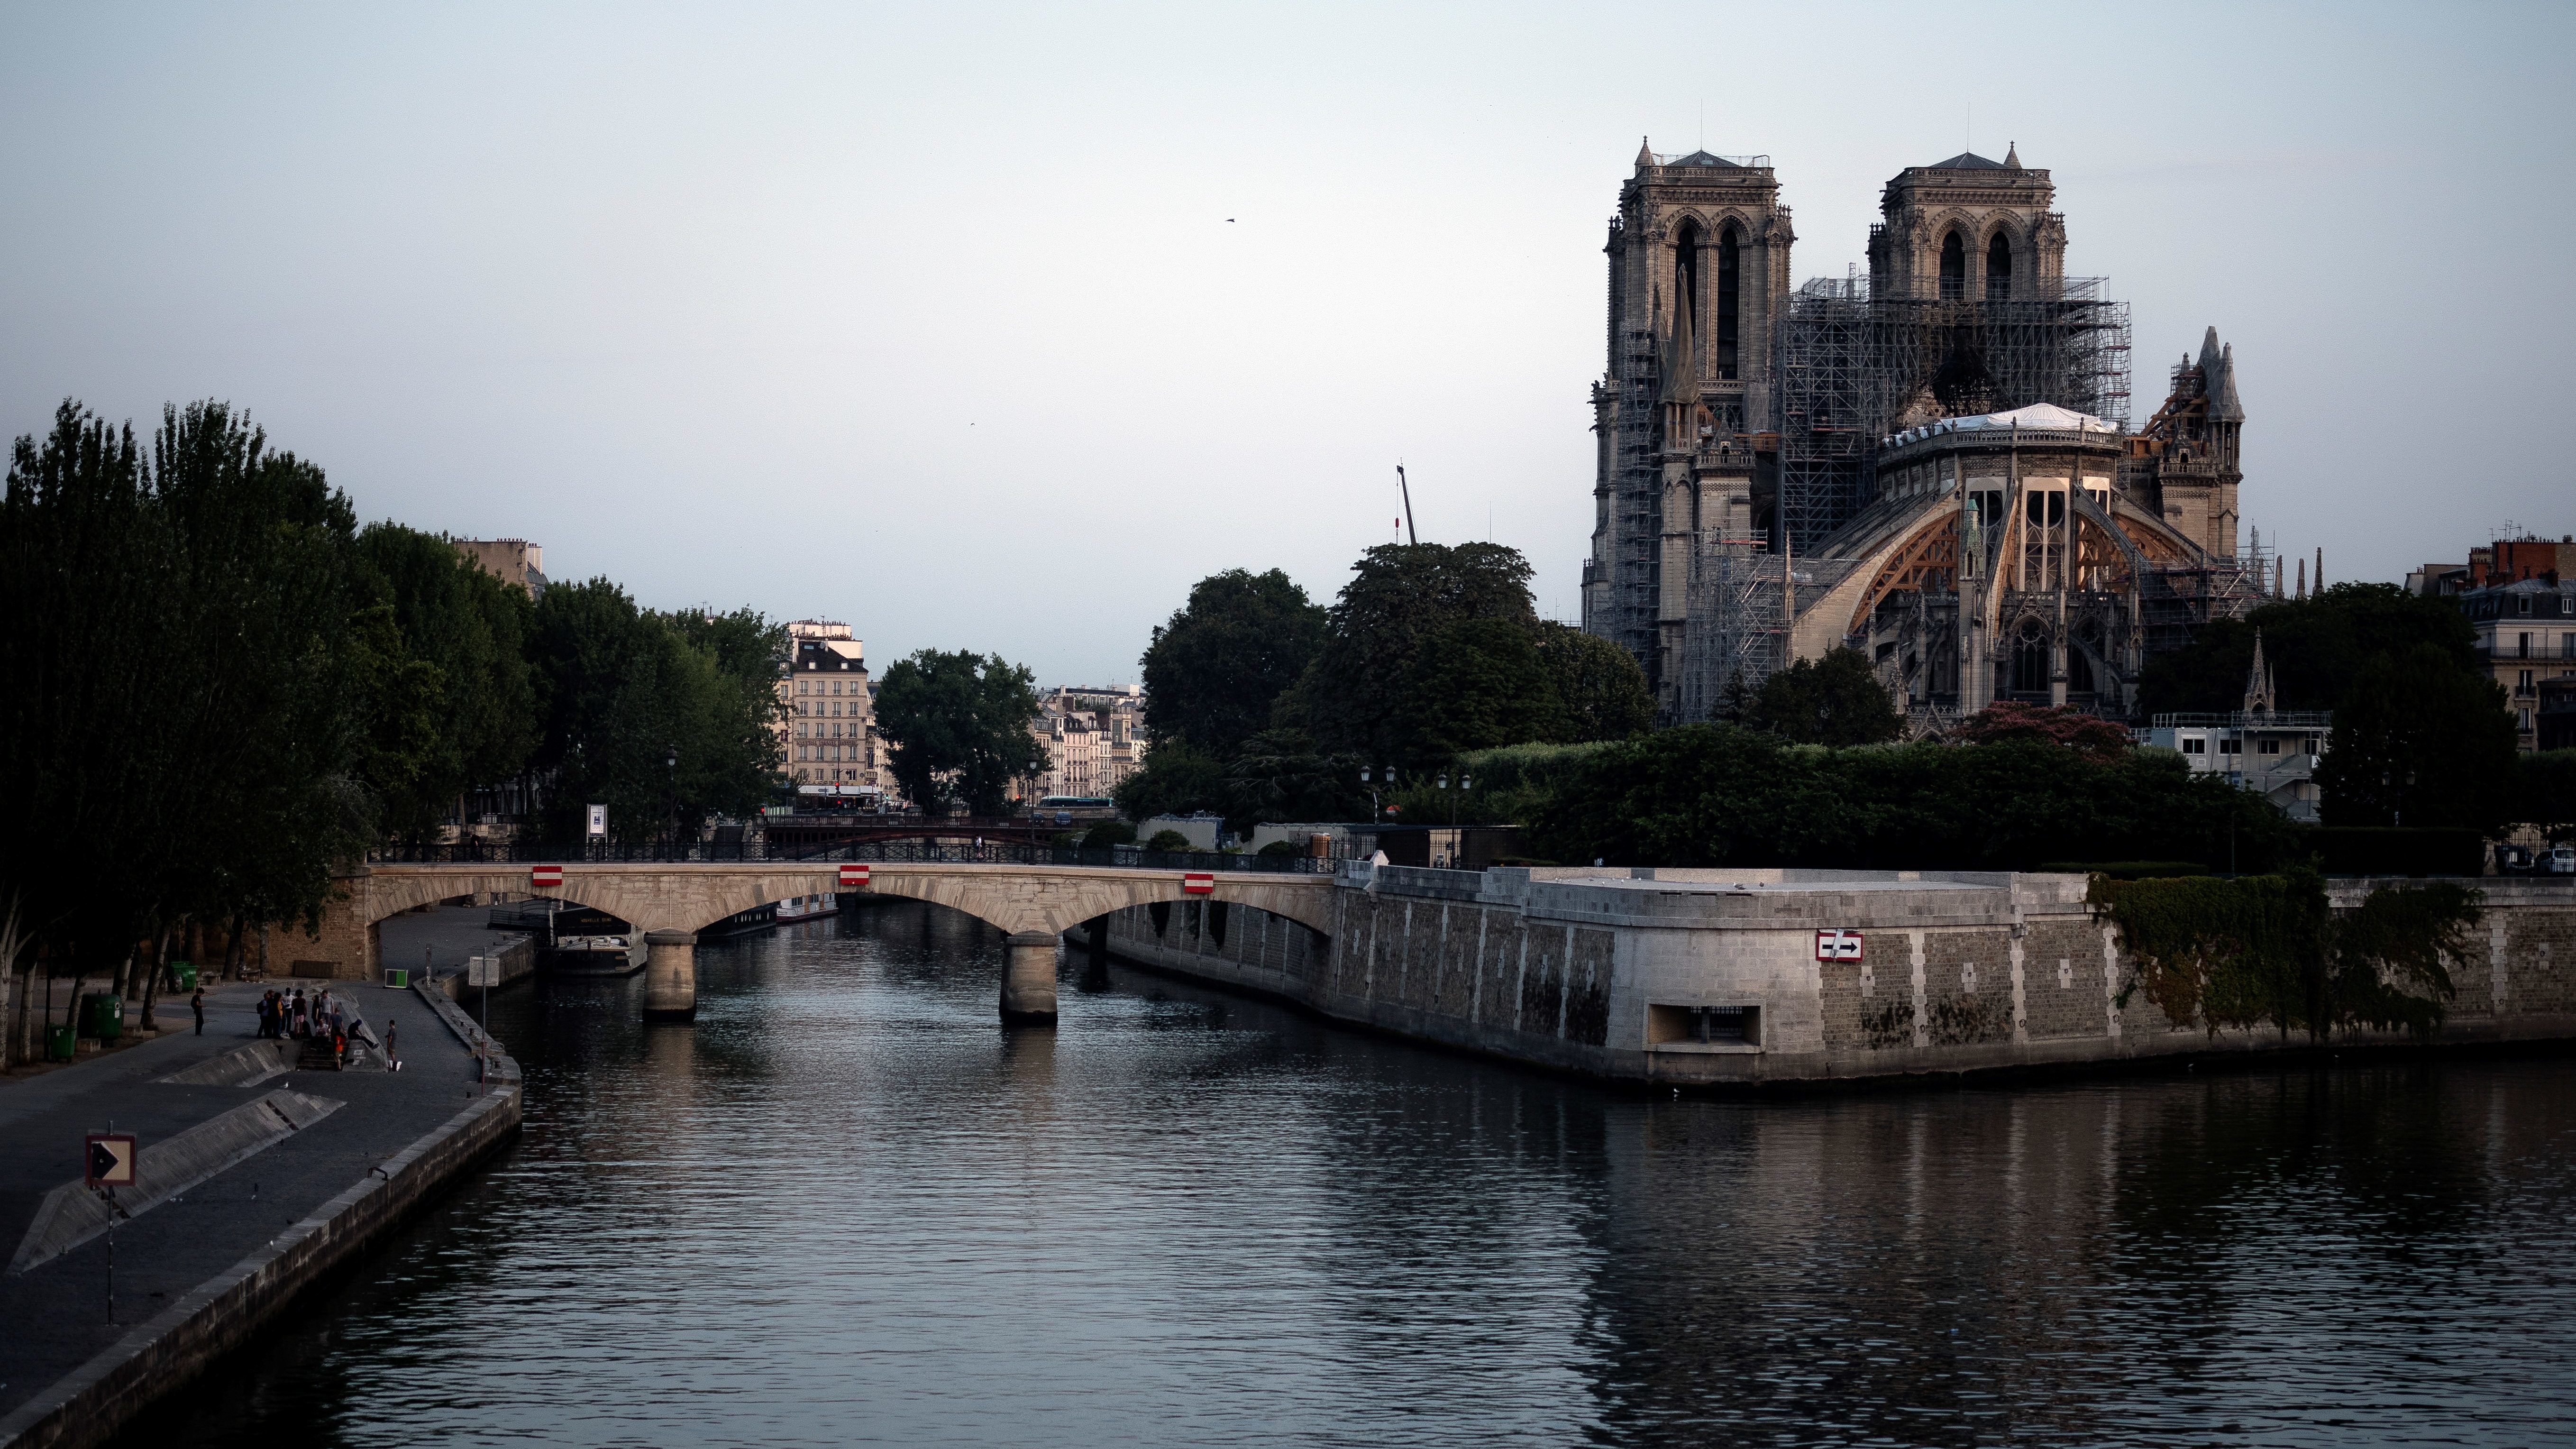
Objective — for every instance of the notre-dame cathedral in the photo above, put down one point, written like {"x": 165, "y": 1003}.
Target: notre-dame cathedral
{"x": 1932, "y": 464}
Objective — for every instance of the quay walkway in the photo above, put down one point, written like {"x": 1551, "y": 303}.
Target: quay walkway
{"x": 294, "y": 1172}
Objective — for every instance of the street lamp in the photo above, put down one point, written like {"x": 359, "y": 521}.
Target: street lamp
{"x": 671, "y": 761}
{"x": 1385, "y": 774}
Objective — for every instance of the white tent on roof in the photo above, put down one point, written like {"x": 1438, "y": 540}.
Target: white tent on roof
{"x": 2036, "y": 416}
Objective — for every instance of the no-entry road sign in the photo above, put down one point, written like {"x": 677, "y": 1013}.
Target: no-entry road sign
{"x": 854, "y": 877}
{"x": 546, "y": 876}
{"x": 107, "y": 1159}
{"x": 1198, "y": 883}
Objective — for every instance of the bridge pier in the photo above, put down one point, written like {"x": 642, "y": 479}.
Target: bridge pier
{"x": 1028, "y": 979}
{"x": 671, "y": 976}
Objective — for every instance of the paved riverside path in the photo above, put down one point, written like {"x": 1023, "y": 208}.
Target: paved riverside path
{"x": 57, "y": 1312}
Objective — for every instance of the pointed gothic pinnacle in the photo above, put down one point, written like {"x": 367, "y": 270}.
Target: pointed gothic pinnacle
{"x": 2012, "y": 155}
{"x": 1645, "y": 153}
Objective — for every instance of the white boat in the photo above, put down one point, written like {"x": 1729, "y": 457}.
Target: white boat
{"x": 806, "y": 908}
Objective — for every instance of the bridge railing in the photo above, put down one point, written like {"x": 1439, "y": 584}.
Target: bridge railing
{"x": 886, "y": 852}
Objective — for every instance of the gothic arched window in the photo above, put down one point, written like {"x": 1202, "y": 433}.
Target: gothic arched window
{"x": 1999, "y": 269}
{"x": 1954, "y": 268}
{"x": 1686, "y": 249}
{"x": 1728, "y": 280}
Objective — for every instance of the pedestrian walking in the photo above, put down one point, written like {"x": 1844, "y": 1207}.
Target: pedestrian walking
{"x": 392, "y": 1057}
{"x": 197, "y": 1003}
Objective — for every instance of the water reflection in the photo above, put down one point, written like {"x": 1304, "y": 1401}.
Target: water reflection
{"x": 847, "y": 1206}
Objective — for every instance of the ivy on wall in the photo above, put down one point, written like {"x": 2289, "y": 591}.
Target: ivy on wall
{"x": 2268, "y": 950}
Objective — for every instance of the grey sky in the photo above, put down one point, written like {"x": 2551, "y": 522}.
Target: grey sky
{"x": 932, "y": 318}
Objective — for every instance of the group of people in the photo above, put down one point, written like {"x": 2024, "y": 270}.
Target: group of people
{"x": 332, "y": 1018}
{"x": 292, "y": 1013}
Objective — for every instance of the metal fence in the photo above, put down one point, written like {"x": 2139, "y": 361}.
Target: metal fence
{"x": 885, "y": 852}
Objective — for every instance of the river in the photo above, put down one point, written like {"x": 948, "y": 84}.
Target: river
{"x": 849, "y": 1207}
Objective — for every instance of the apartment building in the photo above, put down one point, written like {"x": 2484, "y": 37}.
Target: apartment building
{"x": 829, "y": 733}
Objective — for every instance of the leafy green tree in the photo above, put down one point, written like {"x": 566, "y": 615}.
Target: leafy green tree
{"x": 1354, "y": 696}
{"x": 1836, "y": 700}
{"x": 1602, "y": 692}
{"x": 1477, "y": 684}
{"x": 2316, "y": 648}
{"x": 1168, "y": 840}
{"x": 2421, "y": 741}
{"x": 1214, "y": 670}
{"x": 1175, "y": 779}
{"x": 1107, "y": 833}
{"x": 642, "y": 719}
{"x": 469, "y": 630}
{"x": 1280, "y": 776}
{"x": 959, "y": 724}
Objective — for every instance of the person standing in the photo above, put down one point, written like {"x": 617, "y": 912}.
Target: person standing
{"x": 392, "y": 1057}
{"x": 197, "y": 1003}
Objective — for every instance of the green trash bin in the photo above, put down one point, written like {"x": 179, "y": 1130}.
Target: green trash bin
{"x": 103, "y": 1015}
{"x": 183, "y": 976}
{"x": 59, "y": 1043}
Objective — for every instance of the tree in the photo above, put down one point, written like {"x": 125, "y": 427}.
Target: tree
{"x": 1477, "y": 684}
{"x": 2316, "y": 647}
{"x": 2421, "y": 741}
{"x": 1715, "y": 795}
{"x": 1599, "y": 687}
{"x": 1280, "y": 776}
{"x": 959, "y": 724}
{"x": 1353, "y": 696}
{"x": 1175, "y": 779}
{"x": 1836, "y": 700}
{"x": 1213, "y": 672}
{"x": 644, "y": 720}
{"x": 471, "y": 630}
{"x": 2547, "y": 796}
{"x": 2089, "y": 735}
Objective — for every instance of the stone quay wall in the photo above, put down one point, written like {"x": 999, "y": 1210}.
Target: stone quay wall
{"x": 228, "y": 1311}
{"x": 1603, "y": 971}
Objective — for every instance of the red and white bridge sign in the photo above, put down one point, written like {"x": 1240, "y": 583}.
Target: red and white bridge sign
{"x": 546, "y": 876}
{"x": 854, "y": 877}
{"x": 1198, "y": 883}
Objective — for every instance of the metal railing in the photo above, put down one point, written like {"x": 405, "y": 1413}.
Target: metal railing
{"x": 885, "y": 852}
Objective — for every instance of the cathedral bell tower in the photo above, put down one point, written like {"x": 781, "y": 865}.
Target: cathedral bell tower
{"x": 1699, "y": 272}
{"x": 1968, "y": 230}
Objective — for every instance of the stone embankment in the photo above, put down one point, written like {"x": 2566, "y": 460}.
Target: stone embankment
{"x": 1748, "y": 977}
{"x": 255, "y": 1179}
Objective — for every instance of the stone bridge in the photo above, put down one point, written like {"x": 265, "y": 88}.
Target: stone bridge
{"x": 671, "y": 903}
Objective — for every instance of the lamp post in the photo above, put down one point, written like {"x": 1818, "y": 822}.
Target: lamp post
{"x": 671, "y": 761}
{"x": 1383, "y": 774}
{"x": 1464, "y": 782}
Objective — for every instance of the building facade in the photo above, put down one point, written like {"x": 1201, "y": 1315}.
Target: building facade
{"x": 1932, "y": 464}
{"x": 829, "y": 730}
{"x": 513, "y": 561}
{"x": 2526, "y": 632}
{"x": 1094, "y": 739}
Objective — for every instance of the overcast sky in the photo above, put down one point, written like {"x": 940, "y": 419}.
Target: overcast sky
{"x": 993, "y": 327}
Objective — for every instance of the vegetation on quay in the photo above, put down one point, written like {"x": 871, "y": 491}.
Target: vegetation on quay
{"x": 2267, "y": 950}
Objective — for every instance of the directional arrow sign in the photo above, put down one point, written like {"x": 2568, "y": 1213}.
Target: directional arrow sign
{"x": 109, "y": 1159}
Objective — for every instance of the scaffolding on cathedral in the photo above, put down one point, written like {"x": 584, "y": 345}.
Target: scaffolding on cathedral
{"x": 1854, "y": 368}
{"x": 1743, "y": 593}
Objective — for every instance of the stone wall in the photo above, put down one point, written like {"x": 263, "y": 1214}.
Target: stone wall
{"x": 1958, "y": 971}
